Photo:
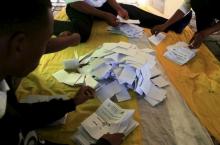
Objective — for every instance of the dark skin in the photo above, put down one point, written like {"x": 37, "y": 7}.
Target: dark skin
{"x": 27, "y": 59}
{"x": 198, "y": 37}
{"x": 26, "y": 48}
{"x": 108, "y": 17}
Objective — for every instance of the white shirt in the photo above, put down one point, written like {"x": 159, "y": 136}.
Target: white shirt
{"x": 94, "y": 3}
{"x": 186, "y": 6}
{"x": 3, "y": 97}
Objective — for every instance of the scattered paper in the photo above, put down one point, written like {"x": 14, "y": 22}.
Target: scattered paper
{"x": 156, "y": 39}
{"x": 71, "y": 64}
{"x": 160, "y": 82}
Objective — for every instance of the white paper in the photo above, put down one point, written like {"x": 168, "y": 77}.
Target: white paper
{"x": 156, "y": 39}
{"x": 127, "y": 75}
{"x": 108, "y": 91}
{"x": 90, "y": 81}
{"x": 160, "y": 82}
{"x": 71, "y": 64}
{"x": 129, "y": 21}
{"x": 67, "y": 78}
{"x": 123, "y": 95}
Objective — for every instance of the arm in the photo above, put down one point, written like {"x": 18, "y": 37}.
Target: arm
{"x": 59, "y": 43}
{"x": 110, "y": 139}
{"x": 199, "y": 37}
{"x": 179, "y": 14}
{"x": 121, "y": 11}
{"x": 33, "y": 116}
{"x": 87, "y": 9}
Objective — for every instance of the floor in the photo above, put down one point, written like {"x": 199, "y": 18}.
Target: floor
{"x": 213, "y": 42}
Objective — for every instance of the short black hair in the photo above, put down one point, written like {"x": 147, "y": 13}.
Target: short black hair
{"x": 18, "y": 13}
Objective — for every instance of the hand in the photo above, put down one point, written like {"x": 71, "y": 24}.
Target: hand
{"x": 114, "y": 139}
{"x": 72, "y": 39}
{"x": 197, "y": 39}
{"x": 123, "y": 13}
{"x": 111, "y": 19}
{"x": 158, "y": 28}
{"x": 85, "y": 93}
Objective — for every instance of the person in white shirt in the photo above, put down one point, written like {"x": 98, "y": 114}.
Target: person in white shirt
{"x": 207, "y": 19}
{"x": 83, "y": 12}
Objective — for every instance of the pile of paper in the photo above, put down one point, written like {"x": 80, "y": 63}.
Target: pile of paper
{"x": 108, "y": 118}
{"x": 128, "y": 30}
{"x": 179, "y": 53}
{"x": 72, "y": 78}
{"x": 114, "y": 68}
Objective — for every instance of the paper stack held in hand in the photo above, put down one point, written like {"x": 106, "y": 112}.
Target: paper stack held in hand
{"x": 108, "y": 118}
{"x": 129, "y": 21}
{"x": 157, "y": 39}
{"x": 115, "y": 68}
{"x": 179, "y": 53}
{"x": 128, "y": 30}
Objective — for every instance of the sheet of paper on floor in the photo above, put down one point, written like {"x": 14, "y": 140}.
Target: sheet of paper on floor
{"x": 157, "y": 39}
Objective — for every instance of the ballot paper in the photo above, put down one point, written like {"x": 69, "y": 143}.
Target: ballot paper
{"x": 91, "y": 82}
{"x": 108, "y": 118}
{"x": 156, "y": 39}
{"x": 107, "y": 91}
{"x": 129, "y": 30}
{"x": 66, "y": 77}
{"x": 115, "y": 68}
{"x": 71, "y": 64}
{"x": 179, "y": 53}
{"x": 160, "y": 81}
{"x": 129, "y": 21}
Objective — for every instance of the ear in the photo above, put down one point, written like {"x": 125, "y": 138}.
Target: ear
{"x": 17, "y": 43}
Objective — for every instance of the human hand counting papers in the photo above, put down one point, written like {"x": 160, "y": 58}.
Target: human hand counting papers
{"x": 108, "y": 118}
{"x": 129, "y": 21}
{"x": 179, "y": 53}
{"x": 114, "y": 68}
{"x": 156, "y": 39}
{"x": 128, "y": 30}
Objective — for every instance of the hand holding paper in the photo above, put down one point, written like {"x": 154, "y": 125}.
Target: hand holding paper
{"x": 85, "y": 93}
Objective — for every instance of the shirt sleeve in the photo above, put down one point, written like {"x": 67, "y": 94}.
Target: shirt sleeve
{"x": 186, "y": 6}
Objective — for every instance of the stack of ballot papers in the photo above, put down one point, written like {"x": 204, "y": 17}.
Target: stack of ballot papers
{"x": 108, "y": 118}
{"x": 129, "y": 21}
{"x": 128, "y": 30}
{"x": 114, "y": 68}
{"x": 179, "y": 53}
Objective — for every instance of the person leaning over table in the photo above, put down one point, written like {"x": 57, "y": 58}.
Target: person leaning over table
{"x": 82, "y": 13}
{"x": 24, "y": 38}
{"x": 207, "y": 19}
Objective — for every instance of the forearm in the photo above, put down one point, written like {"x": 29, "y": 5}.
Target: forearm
{"x": 114, "y": 5}
{"x": 59, "y": 43}
{"x": 176, "y": 17}
{"x": 38, "y": 115}
{"x": 87, "y": 9}
{"x": 213, "y": 29}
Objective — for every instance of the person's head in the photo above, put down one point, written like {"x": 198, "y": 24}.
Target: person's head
{"x": 25, "y": 28}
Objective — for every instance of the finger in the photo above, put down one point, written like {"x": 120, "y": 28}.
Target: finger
{"x": 192, "y": 39}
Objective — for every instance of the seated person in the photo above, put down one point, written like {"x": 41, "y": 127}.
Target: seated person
{"x": 82, "y": 13}
{"x": 24, "y": 38}
{"x": 206, "y": 13}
